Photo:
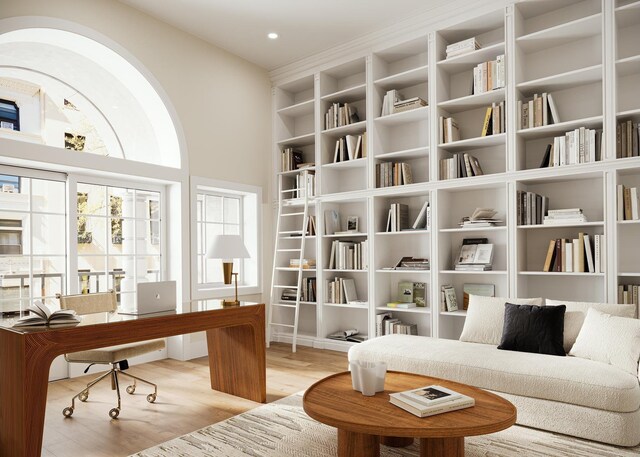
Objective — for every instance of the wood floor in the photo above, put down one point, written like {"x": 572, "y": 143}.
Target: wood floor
{"x": 185, "y": 403}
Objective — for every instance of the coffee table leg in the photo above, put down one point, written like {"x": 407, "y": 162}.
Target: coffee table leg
{"x": 442, "y": 447}
{"x": 352, "y": 444}
{"x": 396, "y": 441}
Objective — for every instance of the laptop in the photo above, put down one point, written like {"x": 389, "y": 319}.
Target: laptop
{"x": 155, "y": 297}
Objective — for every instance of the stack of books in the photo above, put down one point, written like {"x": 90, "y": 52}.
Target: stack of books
{"x": 488, "y": 76}
{"x": 475, "y": 257}
{"x": 460, "y": 166}
{"x": 430, "y": 400}
{"x": 349, "y": 255}
{"x": 393, "y": 174}
{"x": 481, "y": 217}
{"x": 409, "y": 104}
{"x": 307, "y": 264}
{"x": 340, "y": 114}
{"x": 531, "y": 207}
{"x": 564, "y": 216}
{"x": 449, "y": 130}
{"x": 462, "y": 47}
{"x": 352, "y": 335}
{"x": 290, "y": 159}
{"x": 576, "y": 255}
{"x": 410, "y": 295}
{"x": 410, "y": 263}
{"x": 627, "y": 136}
{"x": 394, "y": 102}
{"x": 628, "y": 203}
{"x": 540, "y": 110}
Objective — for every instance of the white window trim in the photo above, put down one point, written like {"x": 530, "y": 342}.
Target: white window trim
{"x": 197, "y": 291}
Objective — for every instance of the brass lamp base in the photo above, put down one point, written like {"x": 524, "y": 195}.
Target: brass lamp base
{"x": 227, "y": 271}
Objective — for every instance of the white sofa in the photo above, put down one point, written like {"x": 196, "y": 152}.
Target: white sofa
{"x": 568, "y": 395}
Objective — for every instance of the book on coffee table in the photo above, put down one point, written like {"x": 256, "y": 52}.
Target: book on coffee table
{"x": 430, "y": 400}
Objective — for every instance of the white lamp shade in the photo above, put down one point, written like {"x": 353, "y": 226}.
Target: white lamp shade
{"x": 227, "y": 247}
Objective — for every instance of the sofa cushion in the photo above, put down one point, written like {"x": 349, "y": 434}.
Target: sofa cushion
{"x": 485, "y": 318}
{"x": 577, "y": 311}
{"x": 609, "y": 339}
{"x": 563, "y": 379}
{"x": 530, "y": 328}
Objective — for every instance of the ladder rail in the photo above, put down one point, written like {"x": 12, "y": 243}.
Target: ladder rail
{"x": 305, "y": 227}
{"x": 275, "y": 261}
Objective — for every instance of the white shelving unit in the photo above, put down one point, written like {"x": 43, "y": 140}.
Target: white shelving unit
{"x": 583, "y": 52}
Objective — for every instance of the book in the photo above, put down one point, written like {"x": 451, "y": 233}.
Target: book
{"x": 421, "y": 219}
{"x": 380, "y": 318}
{"x": 405, "y": 292}
{"x": 487, "y": 124}
{"x": 484, "y": 254}
{"x": 430, "y": 395}
{"x": 450, "y": 298}
{"x": 551, "y": 255}
{"x": 350, "y": 293}
{"x": 331, "y": 222}
{"x": 41, "y": 314}
{"x": 553, "y": 111}
{"x": 425, "y": 411}
{"x": 420, "y": 294}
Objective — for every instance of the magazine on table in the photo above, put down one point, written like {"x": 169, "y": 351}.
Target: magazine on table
{"x": 431, "y": 395}
{"x": 430, "y": 400}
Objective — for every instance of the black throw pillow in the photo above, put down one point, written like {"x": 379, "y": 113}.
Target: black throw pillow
{"x": 530, "y": 328}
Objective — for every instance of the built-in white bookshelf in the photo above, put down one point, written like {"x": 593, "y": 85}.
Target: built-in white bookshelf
{"x": 583, "y": 53}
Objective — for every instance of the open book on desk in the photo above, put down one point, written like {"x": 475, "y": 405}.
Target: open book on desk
{"x": 40, "y": 314}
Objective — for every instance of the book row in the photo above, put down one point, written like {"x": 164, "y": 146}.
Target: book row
{"x": 576, "y": 255}
{"x": 581, "y": 145}
{"x": 394, "y": 102}
{"x": 350, "y": 147}
{"x": 494, "y": 120}
{"x": 340, "y": 114}
{"x": 342, "y": 291}
{"x": 539, "y": 111}
{"x": 349, "y": 255}
{"x": 628, "y": 203}
{"x": 488, "y": 76}
{"x": 393, "y": 174}
{"x": 627, "y": 139}
{"x": 305, "y": 185}
{"x": 460, "y": 166}
{"x": 628, "y": 294}
{"x": 398, "y": 218}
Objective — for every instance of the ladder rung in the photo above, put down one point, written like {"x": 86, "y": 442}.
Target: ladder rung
{"x": 292, "y": 214}
{"x": 283, "y": 325}
{"x": 290, "y": 190}
{"x": 289, "y": 250}
{"x": 285, "y": 232}
{"x": 285, "y": 287}
{"x": 283, "y": 305}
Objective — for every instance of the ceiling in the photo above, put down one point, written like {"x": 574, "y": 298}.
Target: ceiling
{"x": 305, "y": 26}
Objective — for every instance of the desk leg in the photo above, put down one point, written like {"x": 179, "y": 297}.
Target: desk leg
{"x": 23, "y": 396}
{"x": 351, "y": 444}
{"x": 237, "y": 360}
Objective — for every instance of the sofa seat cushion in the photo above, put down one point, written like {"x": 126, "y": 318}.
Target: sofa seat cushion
{"x": 563, "y": 379}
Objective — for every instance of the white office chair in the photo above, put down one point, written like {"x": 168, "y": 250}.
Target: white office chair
{"x": 116, "y": 356}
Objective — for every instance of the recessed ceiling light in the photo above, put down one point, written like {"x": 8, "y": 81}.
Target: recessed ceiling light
{"x": 272, "y": 35}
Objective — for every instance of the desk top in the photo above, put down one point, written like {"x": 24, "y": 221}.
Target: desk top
{"x": 196, "y": 306}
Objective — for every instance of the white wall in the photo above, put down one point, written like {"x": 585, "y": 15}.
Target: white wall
{"x": 223, "y": 102}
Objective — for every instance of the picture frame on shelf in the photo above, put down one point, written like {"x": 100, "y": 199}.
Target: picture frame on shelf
{"x": 352, "y": 224}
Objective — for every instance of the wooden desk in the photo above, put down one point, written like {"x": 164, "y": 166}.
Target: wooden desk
{"x": 235, "y": 340}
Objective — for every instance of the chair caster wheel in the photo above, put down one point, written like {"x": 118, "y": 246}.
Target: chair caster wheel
{"x": 83, "y": 396}
{"x": 114, "y": 413}
{"x": 151, "y": 398}
{"x": 131, "y": 389}
{"x": 67, "y": 412}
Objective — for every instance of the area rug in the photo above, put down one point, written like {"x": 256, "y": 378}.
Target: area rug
{"x": 283, "y": 429}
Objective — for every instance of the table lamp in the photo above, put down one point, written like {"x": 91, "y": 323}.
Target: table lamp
{"x": 227, "y": 248}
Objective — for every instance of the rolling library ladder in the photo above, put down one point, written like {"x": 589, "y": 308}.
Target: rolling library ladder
{"x": 289, "y": 214}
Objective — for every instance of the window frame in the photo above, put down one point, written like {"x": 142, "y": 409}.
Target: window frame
{"x": 250, "y": 205}
{"x": 6, "y": 119}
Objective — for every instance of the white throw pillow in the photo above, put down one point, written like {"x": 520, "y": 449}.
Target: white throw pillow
{"x": 609, "y": 339}
{"x": 485, "y": 318}
{"x": 577, "y": 311}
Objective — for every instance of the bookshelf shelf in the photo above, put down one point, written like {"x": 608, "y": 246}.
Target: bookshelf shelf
{"x": 310, "y": 270}
{"x": 299, "y": 109}
{"x": 403, "y": 79}
{"x": 300, "y": 140}
{"x": 416, "y": 310}
{"x": 471, "y": 59}
{"x": 542, "y": 226}
{"x": 497, "y": 228}
{"x": 404, "y": 117}
{"x": 488, "y": 273}
{"x": 348, "y": 95}
{"x": 562, "y": 81}
{"x": 562, "y": 127}
{"x": 578, "y": 51}
{"x": 554, "y": 36}
{"x": 355, "y": 163}
{"x": 312, "y": 303}
{"x": 404, "y": 232}
{"x": 474, "y": 143}
{"x": 454, "y": 313}
{"x": 295, "y": 172}
{"x": 363, "y": 306}
{"x": 357, "y": 127}
{"x": 424, "y": 272}
{"x": 413, "y": 153}
{"x": 474, "y": 101}
{"x": 558, "y": 273}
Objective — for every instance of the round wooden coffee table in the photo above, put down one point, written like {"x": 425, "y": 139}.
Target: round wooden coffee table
{"x": 365, "y": 422}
